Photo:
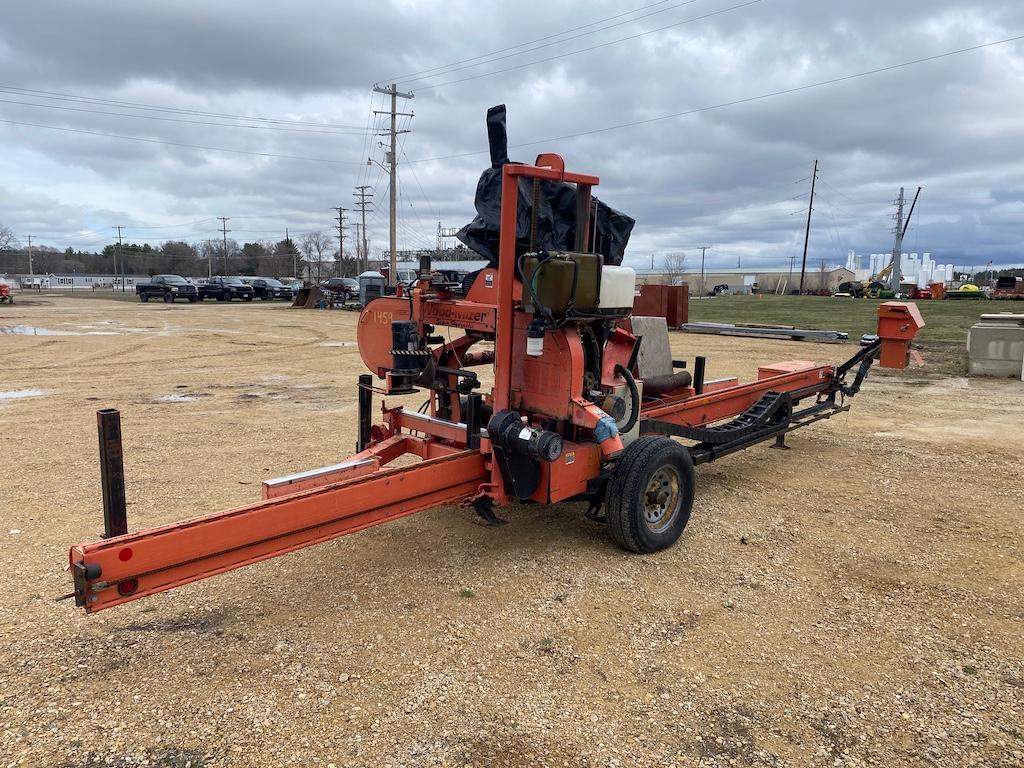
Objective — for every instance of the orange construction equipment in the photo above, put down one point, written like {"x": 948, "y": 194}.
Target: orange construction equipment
{"x": 569, "y": 417}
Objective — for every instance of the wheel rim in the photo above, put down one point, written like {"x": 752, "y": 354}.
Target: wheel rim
{"x": 663, "y": 498}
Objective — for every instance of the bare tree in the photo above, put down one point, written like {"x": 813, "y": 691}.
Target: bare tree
{"x": 7, "y": 239}
{"x": 314, "y": 246}
{"x": 674, "y": 267}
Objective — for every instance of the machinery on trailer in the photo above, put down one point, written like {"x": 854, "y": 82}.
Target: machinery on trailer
{"x": 568, "y": 418}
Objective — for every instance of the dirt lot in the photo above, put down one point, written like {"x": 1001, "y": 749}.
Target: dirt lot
{"x": 856, "y": 601}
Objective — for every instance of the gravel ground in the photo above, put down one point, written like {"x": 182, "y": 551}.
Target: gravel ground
{"x": 856, "y": 601}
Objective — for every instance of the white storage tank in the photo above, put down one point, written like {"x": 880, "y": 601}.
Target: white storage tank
{"x": 618, "y": 286}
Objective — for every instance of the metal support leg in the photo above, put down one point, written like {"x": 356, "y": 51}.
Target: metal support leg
{"x": 365, "y": 406}
{"x": 698, "y": 375}
{"x": 780, "y": 442}
{"x": 115, "y": 510}
{"x": 472, "y": 417}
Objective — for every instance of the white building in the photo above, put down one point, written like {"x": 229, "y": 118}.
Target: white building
{"x": 920, "y": 270}
{"x": 76, "y": 281}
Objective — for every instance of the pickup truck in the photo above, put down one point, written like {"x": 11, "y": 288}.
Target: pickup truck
{"x": 168, "y": 288}
{"x": 225, "y": 289}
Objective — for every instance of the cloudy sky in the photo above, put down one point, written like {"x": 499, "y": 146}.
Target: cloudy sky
{"x": 286, "y": 87}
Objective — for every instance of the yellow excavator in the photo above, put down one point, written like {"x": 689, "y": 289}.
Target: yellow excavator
{"x": 877, "y": 286}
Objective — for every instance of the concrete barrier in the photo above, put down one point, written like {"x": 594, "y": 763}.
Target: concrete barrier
{"x": 995, "y": 346}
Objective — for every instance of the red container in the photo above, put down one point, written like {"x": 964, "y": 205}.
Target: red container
{"x": 669, "y": 301}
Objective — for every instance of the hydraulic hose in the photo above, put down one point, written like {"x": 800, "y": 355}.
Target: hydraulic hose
{"x": 634, "y": 394}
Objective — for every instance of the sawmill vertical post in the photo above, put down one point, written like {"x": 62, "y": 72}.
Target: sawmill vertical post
{"x": 115, "y": 510}
{"x": 365, "y": 404}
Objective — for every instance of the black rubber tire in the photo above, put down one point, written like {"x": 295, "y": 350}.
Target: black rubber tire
{"x": 168, "y": 299}
{"x": 223, "y": 297}
{"x": 247, "y": 298}
{"x": 627, "y": 489}
{"x": 143, "y": 298}
{"x": 191, "y": 299}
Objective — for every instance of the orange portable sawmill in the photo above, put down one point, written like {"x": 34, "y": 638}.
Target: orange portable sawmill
{"x": 568, "y": 417}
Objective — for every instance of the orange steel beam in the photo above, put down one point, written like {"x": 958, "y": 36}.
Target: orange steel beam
{"x": 506, "y": 278}
{"x": 552, "y": 170}
{"x": 723, "y": 404}
{"x": 139, "y": 564}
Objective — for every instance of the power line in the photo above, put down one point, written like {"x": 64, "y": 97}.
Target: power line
{"x": 355, "y": 132}
{"x": 57, "y": 96}
{"x": 736, "y": 102}
{"x": 402, "y": 78}
{"x": 556, "y": 42}
{"x": 178, "y": 144}
{"x": 592, "y": 47}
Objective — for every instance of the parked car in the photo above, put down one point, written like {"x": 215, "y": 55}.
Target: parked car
{"x": 168, "y": 288}
{"x": 920, "y": 294}
{"x": 269, "y": 288}
{"x": 343, "y": 288}
{"x": 226, "y": 289}
{"x": 295, "y": 285}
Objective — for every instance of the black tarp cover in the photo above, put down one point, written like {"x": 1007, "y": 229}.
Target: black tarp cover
{"x": 556, "y": 215}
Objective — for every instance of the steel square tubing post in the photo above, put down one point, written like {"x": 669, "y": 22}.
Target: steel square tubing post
{"x": 138, "y": 564}
{"x": 115, "y": 510}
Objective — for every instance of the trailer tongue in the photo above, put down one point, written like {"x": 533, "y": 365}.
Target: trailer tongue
{"x": 568, "y": 417}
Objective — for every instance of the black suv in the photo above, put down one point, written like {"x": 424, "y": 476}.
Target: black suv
{"x": 269, "y": 288}
{"x": 225, "y": 289}
{"x": 343, "y": 288}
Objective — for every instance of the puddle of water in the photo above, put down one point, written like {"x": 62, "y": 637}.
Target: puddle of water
{"x": 183, "y": 397}
{"x": 18, "y": 394}
{"x": 32, "y": 330}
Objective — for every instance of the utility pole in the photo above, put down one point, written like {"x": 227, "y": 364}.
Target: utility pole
{"x": 897, "y": 248}
{"x": 119, "y": 257}
{"x": 703, "y": 248}
{"x": 807, "y": 233}
{"x": 392, "y": 158}
{"x": 224, "y": 232}
{"x": 365, "y": 199}
{"x": 901, "y": 230}
{"x": 341, "y": 235}
{"x": 359, "y": 248}
{"x": 288, "y": 244}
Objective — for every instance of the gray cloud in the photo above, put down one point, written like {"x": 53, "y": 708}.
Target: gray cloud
{"x": 724, "y": 176}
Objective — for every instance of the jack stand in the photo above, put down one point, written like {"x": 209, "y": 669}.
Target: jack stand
{"x": 780, "y": 442}
{"x": 593, "y": 513}
{"x": 485, "y": 508}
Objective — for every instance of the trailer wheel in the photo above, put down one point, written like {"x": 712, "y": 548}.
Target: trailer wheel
{"x": 650, "y": 494}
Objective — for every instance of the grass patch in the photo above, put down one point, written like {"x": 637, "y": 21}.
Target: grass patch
{"x": 970, "y": 670}
{"x": 466, "y": 592}
{"x": 944, "y": 320}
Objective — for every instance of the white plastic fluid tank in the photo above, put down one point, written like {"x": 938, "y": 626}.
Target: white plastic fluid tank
{"x": 618, "y": 284}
